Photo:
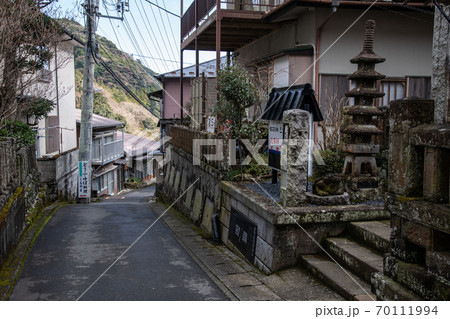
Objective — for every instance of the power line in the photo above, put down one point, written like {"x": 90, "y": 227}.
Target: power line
{"x": 140, "y": 34}
{"x": 150, "y": 30}
{"x": 171, "y": 29}
{"x": 176, "y": 15}
{"x": 165, "y": 31}
{"x": 159, "y": 29}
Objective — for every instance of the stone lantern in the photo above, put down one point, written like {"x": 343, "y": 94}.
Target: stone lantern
{"x": 360, "y": 166}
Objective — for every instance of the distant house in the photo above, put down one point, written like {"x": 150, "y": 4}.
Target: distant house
{"x": 56, "y": 145}
{"x": 140, "y": 153}
{"x": 170, "y": 97}
{"x": 107, "y": 154}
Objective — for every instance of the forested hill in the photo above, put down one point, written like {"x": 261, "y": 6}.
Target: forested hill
{"x": 113, "y": 101}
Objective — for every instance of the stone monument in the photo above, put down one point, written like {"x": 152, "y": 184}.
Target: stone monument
{"x": 360, "y": 168}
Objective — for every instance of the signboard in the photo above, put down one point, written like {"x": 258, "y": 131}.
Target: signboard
{"x": 242, "y": 233}
{"x": 211, "y": 124}
{"x": 83, "y": 179}
{"x": 275, "y": 142}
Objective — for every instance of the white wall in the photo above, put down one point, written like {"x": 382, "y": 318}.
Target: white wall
{"x": 63, "y": 63}
{"x": 281, "y": 72}
{"x": 405, "y": 42}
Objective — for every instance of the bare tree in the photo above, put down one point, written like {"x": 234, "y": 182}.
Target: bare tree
{"x": 27, "y": 43}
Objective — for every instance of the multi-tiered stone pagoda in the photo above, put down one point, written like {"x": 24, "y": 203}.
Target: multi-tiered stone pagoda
{"x": 360, "y": 166}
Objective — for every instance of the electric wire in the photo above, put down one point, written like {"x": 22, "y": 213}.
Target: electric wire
{"x": 164, "y": 9}
{"x": 160, "y": 32}
{"x": 140, "y": 34}
{"x": 150, "y": 30}
{"x": 166, "y": 33}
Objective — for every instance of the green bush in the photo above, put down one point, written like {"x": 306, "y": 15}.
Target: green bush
{"x": 23, "y": 134}
{"x": 334, "y": 163}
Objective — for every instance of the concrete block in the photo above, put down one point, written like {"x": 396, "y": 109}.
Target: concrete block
{"x": 226, "y": 201}
{"x": 261, "y": 266}
{"x": 208, "y": 212}
{"x": 224, "y": 234}
{"x": 225, "y": 216}
{"x": 167, "y": 173}
{"x": 242, "y": 209}
{"x": 188, "y": 199}
{"x": 183, "y": 180}
{"x": 176, "y": 184}
{"x": 435, "y": 175}
{"x": 417, "y": 234}
{"x": 172, "y": 176}
{"x": 264, "y": 252}
{"x": 198, "y": 206}
{"x": 438, "y": 262}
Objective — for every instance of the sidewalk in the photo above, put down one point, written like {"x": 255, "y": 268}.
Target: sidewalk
{"x": 235, "y": 276}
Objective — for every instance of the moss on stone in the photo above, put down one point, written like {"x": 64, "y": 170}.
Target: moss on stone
{"x": 7, "y": 207}
{"x": 404, "y": 199}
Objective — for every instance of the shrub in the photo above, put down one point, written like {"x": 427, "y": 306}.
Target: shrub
{"x": 334, "y": 163}
{"x": 23, "y": 134}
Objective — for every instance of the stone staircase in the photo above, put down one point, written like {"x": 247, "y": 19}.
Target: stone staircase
{"x": 356, "y": 256}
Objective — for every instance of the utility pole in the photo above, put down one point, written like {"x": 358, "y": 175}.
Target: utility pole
{"x": 85, "y": 157}
{"x": 85, "y": 163}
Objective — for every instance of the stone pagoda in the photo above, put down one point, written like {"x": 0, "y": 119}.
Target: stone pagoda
{"x": 360, "y": 168}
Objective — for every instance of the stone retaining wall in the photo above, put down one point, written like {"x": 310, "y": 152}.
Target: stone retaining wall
{"x": 282, "y": 235}
{"x": 59, "y": 173}
{"x": 194, "y": 189}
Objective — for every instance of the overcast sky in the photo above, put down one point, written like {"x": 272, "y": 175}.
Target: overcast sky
{"x": 147, "y": 32}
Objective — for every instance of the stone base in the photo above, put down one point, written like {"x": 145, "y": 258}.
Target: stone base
{"x": 330, "y": 200}
{"x": 363, "y": 188}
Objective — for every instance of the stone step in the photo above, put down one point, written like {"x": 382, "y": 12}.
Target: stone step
{"x": 389, "y": 290}
{"x": 351, "y": 255}
{"x": 374, "y": 234}
{"x": 424, "y": 283}
{"x": 351, "y": 288}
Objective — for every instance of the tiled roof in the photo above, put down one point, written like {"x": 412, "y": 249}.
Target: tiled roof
{"x": 288, "y": 98}
{"x": 135, "y": 145}
{"x": 99, "y": 121}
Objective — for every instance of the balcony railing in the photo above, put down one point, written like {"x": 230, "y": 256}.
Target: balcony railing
{"x": 206, "y": 7}
{"x": 106, "y": 152}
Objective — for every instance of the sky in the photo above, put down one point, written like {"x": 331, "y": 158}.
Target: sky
{"x": 147, "y": 32}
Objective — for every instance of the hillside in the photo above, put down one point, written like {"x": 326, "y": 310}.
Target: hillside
{"x": 111, "y": 100}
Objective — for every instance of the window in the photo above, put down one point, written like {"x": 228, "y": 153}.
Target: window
{"x": 392, "y": 89}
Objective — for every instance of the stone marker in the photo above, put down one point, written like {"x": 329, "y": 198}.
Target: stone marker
{"x": 294, "y": 157}
{"x": 198, "y": 205}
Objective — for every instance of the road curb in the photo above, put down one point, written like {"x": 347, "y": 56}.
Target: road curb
{"x": 207, "y": 254}
{"x": 12, "y": 267}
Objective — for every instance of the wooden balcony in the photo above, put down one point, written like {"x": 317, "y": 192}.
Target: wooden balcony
{"x": 229, "y": 23}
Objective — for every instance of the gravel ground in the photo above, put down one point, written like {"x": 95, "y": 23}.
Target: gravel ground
{"x": 272, "y": 189}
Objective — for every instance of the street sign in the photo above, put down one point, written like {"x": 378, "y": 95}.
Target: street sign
{"x": 211, "y": 125}
{"x": 83, "y": 179}
{"x": 275, "y": 142}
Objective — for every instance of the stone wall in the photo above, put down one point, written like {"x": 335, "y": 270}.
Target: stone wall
{"x": 418, "y": 200}
{"x": 59, "y": 173}
{"x": 8, "y": 171}
{"x": 18, "y": 193}
{"x": 282, "y": 235}
{"x": 193, "y": 189}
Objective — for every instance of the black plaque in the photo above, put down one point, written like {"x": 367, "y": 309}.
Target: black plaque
{"x": 242, "y": 233}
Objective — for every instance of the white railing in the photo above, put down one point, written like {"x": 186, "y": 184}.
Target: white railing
{"x": 106, "y": 152}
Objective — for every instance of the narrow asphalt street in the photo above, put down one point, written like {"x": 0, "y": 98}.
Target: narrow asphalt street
{"x": 81, "y": 241}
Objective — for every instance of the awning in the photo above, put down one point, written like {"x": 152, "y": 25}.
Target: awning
{"x": 103, "y": 170}
{"x": 289, "y": 98}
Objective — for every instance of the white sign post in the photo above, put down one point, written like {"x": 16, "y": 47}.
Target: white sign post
{"x": 275, "y": 141}
{"x": 83, "y": 179}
